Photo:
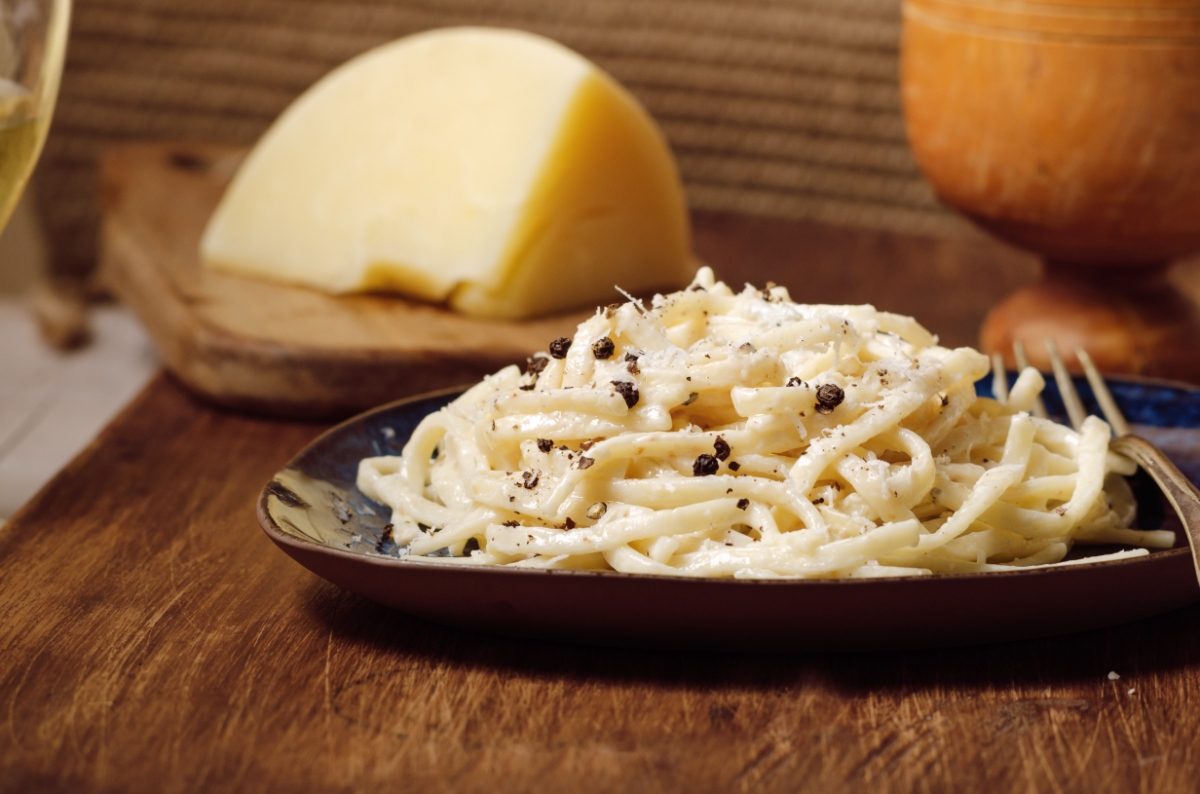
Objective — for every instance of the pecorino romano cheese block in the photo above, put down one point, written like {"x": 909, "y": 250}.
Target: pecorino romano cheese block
{"x": 493, "y": 170}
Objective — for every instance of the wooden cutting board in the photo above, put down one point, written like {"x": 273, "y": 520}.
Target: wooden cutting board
{"x": 271, "y": 347}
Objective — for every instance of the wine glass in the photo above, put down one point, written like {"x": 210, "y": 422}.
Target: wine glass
{"x": 33, "y": 40}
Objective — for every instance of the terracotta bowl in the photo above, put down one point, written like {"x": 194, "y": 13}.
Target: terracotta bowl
{"x": 1071, "y": 129}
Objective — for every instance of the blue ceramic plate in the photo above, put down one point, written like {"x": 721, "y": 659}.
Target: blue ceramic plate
{"x": 313, "y": 511}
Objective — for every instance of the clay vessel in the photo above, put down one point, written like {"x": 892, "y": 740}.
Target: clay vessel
{"x": 1072, "y": 129}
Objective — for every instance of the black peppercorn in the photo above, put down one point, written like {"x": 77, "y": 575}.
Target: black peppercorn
{"x": 627, "y": 390}
{"x": 603, "y": 347}
{"x": 705, "y": 464}
{"x": 829, "y": 396}
{"x": 722, "y": 448}
{"x": 560, "y": 346}
{"x": 535, "y": 364}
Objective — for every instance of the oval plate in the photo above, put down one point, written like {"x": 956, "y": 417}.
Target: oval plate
{"x": 313, "y": 511}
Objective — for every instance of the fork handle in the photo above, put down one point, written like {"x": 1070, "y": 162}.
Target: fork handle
{"x": 1180, "y": 492}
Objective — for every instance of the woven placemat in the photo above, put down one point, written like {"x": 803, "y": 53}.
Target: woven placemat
{"x": 786, "y": 108}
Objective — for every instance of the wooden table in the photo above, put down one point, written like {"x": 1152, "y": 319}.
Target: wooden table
{"x": 154, "y": 640}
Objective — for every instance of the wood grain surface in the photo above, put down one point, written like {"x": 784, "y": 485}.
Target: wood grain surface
{"x": 154, "y": 640}
{"x": 293, "y": 351}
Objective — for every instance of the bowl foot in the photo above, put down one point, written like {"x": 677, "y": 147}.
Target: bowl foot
{"x": 1130, "y": 320}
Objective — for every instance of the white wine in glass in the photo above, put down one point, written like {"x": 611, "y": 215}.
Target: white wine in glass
{"x": 33, "y": 40}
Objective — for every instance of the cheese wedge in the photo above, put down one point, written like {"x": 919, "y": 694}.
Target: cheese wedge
{"x": 491, "y": 169}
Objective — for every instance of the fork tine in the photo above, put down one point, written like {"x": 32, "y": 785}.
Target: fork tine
{"x": 1039, "y": 407}
{"x": 1103, "y": 396}
{"x": 999, "y": 378}
{"x": 1066, "y": 387}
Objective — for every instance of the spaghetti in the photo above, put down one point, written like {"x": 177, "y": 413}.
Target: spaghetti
{"x": 723, "y": 434}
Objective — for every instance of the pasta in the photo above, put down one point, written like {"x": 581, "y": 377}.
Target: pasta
{"x": 723, "y": 434}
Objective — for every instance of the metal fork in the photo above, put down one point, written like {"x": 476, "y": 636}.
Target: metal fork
{"x": 1182, "y": 495}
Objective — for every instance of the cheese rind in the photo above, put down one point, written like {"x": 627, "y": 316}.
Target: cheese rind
{"x": 492, "y": 169}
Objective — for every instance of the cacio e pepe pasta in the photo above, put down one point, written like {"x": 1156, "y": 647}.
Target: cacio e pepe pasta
{"x": 738, "y": 434}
